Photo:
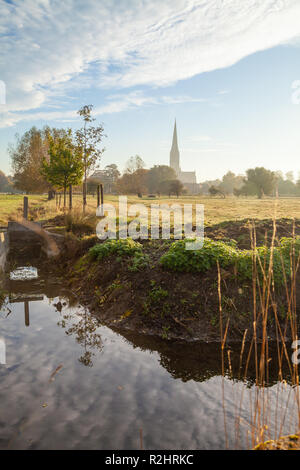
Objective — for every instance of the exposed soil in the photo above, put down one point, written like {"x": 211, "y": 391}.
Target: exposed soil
{"x": 240, "y": 231}
{"x": 174, "y": 305}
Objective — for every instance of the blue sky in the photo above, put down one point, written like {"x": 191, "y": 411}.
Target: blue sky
{"x": 224, "y": 68}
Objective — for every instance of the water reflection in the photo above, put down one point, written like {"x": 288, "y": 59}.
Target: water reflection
{"x": 84, "y": 328}
{"x": 70, "y": 383}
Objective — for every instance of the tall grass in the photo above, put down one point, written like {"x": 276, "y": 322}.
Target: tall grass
{"x": 266, "y": 419}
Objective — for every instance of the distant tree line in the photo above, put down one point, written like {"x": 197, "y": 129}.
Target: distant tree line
{"x": 160, "y": 179}
{"x": 258, "y": 182}
{"x": 51, "y": 159}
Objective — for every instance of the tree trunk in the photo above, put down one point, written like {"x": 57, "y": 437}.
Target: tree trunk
{"x": 84, "y": 189}
{"x": 51, "y": 194}
{"x": 70, "y": 197}
{"x": 84, "y": 192}
{"x": 261, "y": 194}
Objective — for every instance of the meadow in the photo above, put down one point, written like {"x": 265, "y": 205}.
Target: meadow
{"x": 216, "y": 209}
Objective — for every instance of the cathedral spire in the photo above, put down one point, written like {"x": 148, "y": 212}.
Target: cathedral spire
{"x": 174, "y": 153}
{"x": 174, "y": 143}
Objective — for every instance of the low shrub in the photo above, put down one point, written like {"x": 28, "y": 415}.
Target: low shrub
{"x": 120, "y": 248}
{"x": 179, "y": 259}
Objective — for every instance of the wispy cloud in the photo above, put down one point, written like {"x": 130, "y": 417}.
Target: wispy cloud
{"x": 50, "y": 49}
{"x": 114, "y": 104}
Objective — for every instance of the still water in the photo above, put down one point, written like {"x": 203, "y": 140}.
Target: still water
{"x": 70, "y": 383}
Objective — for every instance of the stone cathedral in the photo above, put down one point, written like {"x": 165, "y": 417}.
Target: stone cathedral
{"x": 188, "y": 178}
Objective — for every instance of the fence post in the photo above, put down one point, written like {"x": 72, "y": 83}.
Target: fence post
{"x": 98, "y": 196}
{"x": 102, "y": 197}
{"x": 26, "y": 310}
{"x": 25, "y": 207}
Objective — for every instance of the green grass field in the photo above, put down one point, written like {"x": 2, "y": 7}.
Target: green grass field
{"x": 216, "y": 210}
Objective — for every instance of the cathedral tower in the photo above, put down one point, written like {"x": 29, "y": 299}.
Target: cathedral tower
{"x": 174, "y": 153}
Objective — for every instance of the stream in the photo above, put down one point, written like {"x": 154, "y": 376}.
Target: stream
{"x": 67, "y": 382}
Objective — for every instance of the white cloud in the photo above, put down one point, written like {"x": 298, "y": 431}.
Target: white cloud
{"x": 115, "y": 104}
{"x": 50, "y": 47}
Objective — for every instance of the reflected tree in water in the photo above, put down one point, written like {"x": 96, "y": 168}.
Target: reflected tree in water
{"x": 84, "y": 327}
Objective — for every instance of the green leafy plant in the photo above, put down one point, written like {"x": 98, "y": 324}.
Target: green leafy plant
{"x": 120, "y": 248}
{"x": 140, "y": 261}
{"x": 157, "y": 294}
{"x": 165, "y": 332}
{"x": 156, "y": 297}
{"x": 179, "y": 259}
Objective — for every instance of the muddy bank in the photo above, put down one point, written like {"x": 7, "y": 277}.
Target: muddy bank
{"x": 239, "y": 231}
{"x": 181, "y": 305}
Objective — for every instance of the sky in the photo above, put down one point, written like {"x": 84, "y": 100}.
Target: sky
{"x": 227, "y": 70}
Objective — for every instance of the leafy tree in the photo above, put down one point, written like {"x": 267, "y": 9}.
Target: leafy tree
{"x": 248, "y": 189}
{"x": 88, "y": 140}
{"x": 133, "y": 183}
{"x": 298, "y": 187}
{"x": 5, "y": 183}
{"x": 204, "y": 187}
{"x": 230, "y": 182}
{"x": 158, "y": 174}
{"x": 289, "y": 176}
{"x": 108, "y": 177}
{"x": 259, "y": 181}
{"x": 112, "y": 171}
{"x": 285, "y": 187}
{"x": 27, "y": 155}
{"x": 215, "y": 191}
{"x": 65, "y": 166}
{"x": 176, "y": 187}
{"x": 164, "y": 187}
{"x": 26, "y": 158}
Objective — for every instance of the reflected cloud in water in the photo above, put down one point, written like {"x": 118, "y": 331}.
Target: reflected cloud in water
{"x": 107, "y": 385}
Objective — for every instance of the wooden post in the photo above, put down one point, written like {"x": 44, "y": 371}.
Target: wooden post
{"x": 98, "y": 196}
{"x": 70, "y": 197}
{"x": 26, "y": 310}
{"x": 25, "y": 207}
{"x": 102, "y": 197}
{"x": 100, "y": 200}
